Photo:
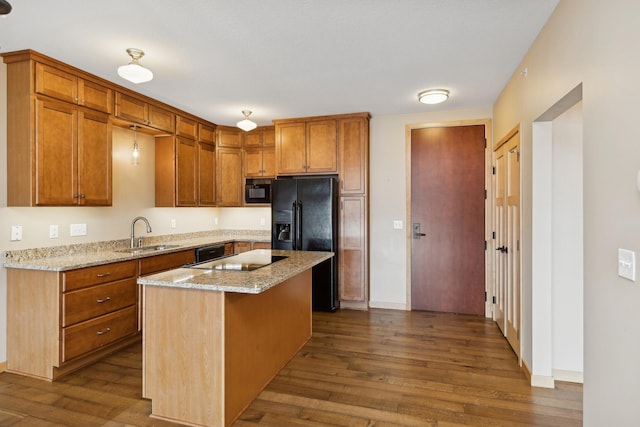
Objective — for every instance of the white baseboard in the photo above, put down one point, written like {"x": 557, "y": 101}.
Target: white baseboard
{"x": 388, "y": 305}
{"x": 542, "y": 381}
{"x": 568, "y": 376}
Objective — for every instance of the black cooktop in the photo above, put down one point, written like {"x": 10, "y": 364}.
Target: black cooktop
{"x": 247, "y": 261}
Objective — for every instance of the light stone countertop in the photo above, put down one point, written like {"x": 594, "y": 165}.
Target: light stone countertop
{"x": 63, "y": 258}
{"x": 250, "y": 282}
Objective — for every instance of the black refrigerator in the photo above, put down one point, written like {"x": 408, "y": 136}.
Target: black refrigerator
{"x": 304, "y": 215}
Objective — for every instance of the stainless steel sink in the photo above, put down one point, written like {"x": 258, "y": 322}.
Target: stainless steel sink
{"x": 145, "y": 249}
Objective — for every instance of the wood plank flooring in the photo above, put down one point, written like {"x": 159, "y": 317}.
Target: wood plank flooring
{"x": 376, "y": 368}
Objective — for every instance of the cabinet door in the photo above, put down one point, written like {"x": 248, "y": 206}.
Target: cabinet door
{"x": 269, "y": 137}
{"x": 290, "y": 148}
{"x": 56, "y": 83}
{"x": 229, "y": 177}
{"x": 132, "y": 109}
{"x": 353, "y": 154}
{"x": 56, "y": 154}
{"x": 206, "y": 133}
{"x": 94, "y": 159}
{"x": 239, "y": 247}
{"x": 186, "y": 172}
{"x": 207, "y": 174}
{"x": 322, "y": 152}
{"x": 186, "y": 127}
{"x": 269, "y": 162}
{"x": 161, "y": 119}
{"x": 95, "y": 96}
{"x": 352, "y": 249}
{"x": 253, "y": 139}
{"x": 253, "y": 163}
{"x": 229, "y": 137}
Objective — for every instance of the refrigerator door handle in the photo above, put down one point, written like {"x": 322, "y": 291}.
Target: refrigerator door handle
{"x": 294, "y": 230}
{"x": 299, "y": 227}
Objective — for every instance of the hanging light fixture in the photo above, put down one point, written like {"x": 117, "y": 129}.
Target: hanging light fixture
{"x": 135, "y": 150}
{"x": 433, "y": 96}
{"x": 133, "y": 71}
{"x": 246, "y": 124}
{"x": 5, "y": 7}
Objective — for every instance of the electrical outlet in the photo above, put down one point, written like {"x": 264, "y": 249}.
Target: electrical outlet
{"x": 174, "y": 224}
{"x": 627, "y": 264}
{"x": 16, "y": 233}
{"x": 53, "y": 231}
{"x": 397, "y": 224}
{"x": 78, "y": 230}
{"x": 215, "y": 221}
{"x": 263, "y": 221}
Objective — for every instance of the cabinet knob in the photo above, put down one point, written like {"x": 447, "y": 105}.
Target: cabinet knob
{"x": 82, "y": 196}
{"x": 75, "y": 196}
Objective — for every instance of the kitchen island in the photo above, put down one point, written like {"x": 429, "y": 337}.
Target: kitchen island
{"x": 214, "y": 336}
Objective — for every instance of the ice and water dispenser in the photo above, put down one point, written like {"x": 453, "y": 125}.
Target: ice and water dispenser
{"x": 282, "y": 221}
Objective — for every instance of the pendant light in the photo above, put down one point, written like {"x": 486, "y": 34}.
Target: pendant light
{"x": 246, "y": 124}
{"x": 133, "y": 71}
{"x": 433, "y": 96}
{"x": 135, "y": 150}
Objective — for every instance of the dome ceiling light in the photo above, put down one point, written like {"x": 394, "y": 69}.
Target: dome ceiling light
{"x": 246, "y": 124}
{"x": 433, "y": 96}
{"x": 133, "y": 71}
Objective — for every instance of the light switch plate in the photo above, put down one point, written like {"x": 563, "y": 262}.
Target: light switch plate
{"x": 16, "y": 233}
{"x": 627, "y": 264}
{"x": 397, "y": 224}
{"x": 173, "y": 223}
{"x": 78, "y": 230}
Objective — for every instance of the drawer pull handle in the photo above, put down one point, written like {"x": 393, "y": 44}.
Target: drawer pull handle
{"x": 104, "y": 274}
{"x": 101, "y": 300}
{"x": 104, "y": 331}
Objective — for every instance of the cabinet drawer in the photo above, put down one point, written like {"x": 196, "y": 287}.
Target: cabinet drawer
{"x": 164, "y": 262}
{"x": 81, "y": 278}
{"x": 97, "y": 300}
{"x": 87, "y": 336}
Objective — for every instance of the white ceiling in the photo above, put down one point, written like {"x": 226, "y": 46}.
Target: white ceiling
{"x": 289, "y": 58}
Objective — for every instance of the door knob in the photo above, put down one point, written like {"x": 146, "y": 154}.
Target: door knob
{"x": 416, "y": 231}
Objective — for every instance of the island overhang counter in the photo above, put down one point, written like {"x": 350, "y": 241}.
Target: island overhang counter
{"x": 214, "y": 338}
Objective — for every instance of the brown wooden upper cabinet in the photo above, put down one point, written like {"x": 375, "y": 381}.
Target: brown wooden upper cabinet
{"x": 138, "y": 111}
{"x": 58, "y": 138}
{"x": 229, "y": 137}
{"x": 70, "y": 88}
{"x": 306, "y": 146}
{"x": 353, "y": 154}
{"x": 260, "y": 153}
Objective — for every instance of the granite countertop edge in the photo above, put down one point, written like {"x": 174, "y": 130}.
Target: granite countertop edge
{"x": 93, "y": 254}
{"x": 248, "y": 282}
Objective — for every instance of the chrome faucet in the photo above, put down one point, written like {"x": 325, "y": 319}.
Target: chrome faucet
{"x": 133, "y": 232}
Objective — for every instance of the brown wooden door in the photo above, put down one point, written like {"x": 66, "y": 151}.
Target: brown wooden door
{"x": 229, "y": 176}
{"x": 207, "y": 174}
{"x": 290, "y": 151}
{"x": 447, "y": 204}
{"x": 322, "y": 148}
{"x": 56, "y": 154}
{"x": 186, "y": 172}
{"x": 94, "y": 159}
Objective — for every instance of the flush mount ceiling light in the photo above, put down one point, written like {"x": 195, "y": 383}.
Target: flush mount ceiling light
{"x": 246, "y": 124}
{"x": 433, "y": 96}
{"x": 5, "y": 7}
{"x": 133, "y": 71}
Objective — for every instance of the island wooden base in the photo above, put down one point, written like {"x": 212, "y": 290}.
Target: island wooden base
{"x": 208, "y": 354}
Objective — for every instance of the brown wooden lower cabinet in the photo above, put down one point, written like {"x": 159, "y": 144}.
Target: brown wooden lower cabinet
{"x": 352, "y": 253}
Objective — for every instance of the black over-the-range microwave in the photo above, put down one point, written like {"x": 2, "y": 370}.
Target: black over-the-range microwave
{"x": 257, "y": 191}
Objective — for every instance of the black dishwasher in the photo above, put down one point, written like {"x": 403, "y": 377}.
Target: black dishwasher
{"x": 208, "y": 253}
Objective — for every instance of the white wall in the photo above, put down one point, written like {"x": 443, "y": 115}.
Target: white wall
{"x": 388, "y": 182}
{"x": 589, "y": 42}
{"x": 567, "y": 243}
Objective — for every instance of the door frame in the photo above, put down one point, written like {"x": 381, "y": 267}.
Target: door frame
{"x": 488, "y": 153}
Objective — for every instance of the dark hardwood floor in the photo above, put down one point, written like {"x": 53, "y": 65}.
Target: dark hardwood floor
{"x": 376, "y": 368}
